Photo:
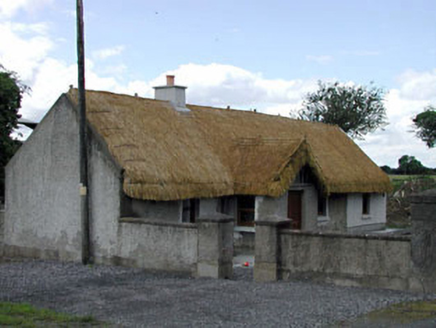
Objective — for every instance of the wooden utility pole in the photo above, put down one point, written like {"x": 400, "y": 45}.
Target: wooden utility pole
{"x": 84, "y": 211}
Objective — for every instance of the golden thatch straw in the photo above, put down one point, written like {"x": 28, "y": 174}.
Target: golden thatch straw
{"x": 213, "y": 152}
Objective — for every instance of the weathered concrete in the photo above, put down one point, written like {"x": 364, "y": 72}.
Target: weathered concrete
{"x": 345, "y": 259}
{"x": 423, "y": 210}
{"x": 267, "y": 248}
{"x": 42, "y": 189}
{"x": 2, "y": 220}
{"x": 157, "y": 245}
{"x": 105, "y": 187}
{"x": 337, "y": 212}
{"x": 215, "y": 246}
{"x": 268, "y": 206}
{"x": 209, "y": 206}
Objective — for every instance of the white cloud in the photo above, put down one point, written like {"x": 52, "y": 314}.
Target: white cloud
{"x": 9, "y": 8}
{"x": 386, "y": 147}
{"x": 324, "y": 59}
{"x": 108, "y": 52}
{"x": 418, "y": 85}
{"x": 23, "y": 47}
{"x": 225, "y": 85}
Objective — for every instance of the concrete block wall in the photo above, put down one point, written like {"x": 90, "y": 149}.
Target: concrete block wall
{"x": 2, "y": 221}
{"x": 423, "y": 210}
{"x": 157, "y": 245}
{"x": 345, "y": 259}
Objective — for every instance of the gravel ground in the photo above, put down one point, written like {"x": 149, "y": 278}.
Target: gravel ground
{"x": 134, "y": 298}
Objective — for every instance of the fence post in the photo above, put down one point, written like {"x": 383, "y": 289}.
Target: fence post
{"x": 423, "y": 212}
{"x": 267, "y": 248}
{"x": 215, "y": 246}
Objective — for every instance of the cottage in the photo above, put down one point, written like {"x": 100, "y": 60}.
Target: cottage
{"x": 162, "y": 160}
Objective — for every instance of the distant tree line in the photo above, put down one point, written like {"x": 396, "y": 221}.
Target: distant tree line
{"x": 409, "y": 165}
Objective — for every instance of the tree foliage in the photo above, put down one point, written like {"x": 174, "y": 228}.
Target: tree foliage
{"x": 357, "y": 110}
{"x": 11, "y": 94}
{"x": 425, "y": 126}
{"x": 410, "y": 165}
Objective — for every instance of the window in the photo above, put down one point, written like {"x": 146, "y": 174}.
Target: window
{"x": 304, "y": 176}
{"x": 366, "y": 200}
{"x": 322, "y": 205}
{"x": 246, "y": 211}
{"x": 190, "y": 210}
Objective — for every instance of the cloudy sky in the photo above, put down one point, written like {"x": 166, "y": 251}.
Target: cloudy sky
{"x": 247, "y": 54}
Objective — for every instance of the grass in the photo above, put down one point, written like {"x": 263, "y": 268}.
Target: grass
{"x": 402, "y": 313}
{"x": 25, "y": 315}
{"x": 398, "y": 180}
{"x": 406, "y": 312}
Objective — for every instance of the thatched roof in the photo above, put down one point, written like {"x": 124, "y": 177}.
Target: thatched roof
{"x": 210, "y": 152}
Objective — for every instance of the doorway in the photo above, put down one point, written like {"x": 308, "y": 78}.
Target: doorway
{"x": 294, "y": 208}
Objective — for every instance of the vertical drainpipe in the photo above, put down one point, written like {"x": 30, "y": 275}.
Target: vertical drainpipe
{"x": 84, "y": 210}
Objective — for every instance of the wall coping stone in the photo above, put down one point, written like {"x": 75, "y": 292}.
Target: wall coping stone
{"x": 345, "y": 235}
{"x": 157, "y": 222}
{"x": 272, "y": 220}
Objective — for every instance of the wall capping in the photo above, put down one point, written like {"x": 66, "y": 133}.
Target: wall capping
{"x": 157, "y": 222}
{"x": 407, "y": 238}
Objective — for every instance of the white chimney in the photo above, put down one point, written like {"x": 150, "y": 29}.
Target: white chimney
{"x": 172, "y": 93}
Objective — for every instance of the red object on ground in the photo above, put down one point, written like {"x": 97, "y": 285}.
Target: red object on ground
{"x": 246, "y": 264}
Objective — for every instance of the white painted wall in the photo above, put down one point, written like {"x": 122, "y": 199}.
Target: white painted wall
{"x": 105, "y": 191}
{"x": 377, "y": 215}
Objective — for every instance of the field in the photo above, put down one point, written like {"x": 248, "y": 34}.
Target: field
{"x": 426, "y": 181}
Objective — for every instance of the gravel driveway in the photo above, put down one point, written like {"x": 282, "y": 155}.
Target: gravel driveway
{"x": 132, "y": 297}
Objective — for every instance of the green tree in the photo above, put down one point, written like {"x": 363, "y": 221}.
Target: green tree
{"x": 425, "y": 126}
{"x": 410, "y": 165}
{"x": 357, "y": 110}
{"x": 11, "y": 94}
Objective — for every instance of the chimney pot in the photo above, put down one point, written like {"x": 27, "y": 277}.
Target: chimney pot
{"x": 170, "y": 80}
{"x": 175, "y": 94}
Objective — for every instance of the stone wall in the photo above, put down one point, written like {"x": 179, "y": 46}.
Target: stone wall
{"x": 423, "y": 208}
{"x": 157, "y": 245}
{"x": 2, "y": 221}
{"x": 345, "y": 259}
{"x": 401, "y": 262}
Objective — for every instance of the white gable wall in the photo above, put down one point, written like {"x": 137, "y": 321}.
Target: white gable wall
{"x": 42, "y": 190}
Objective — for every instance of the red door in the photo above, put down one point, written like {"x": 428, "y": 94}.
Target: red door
{"x": 294, "y": 208}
